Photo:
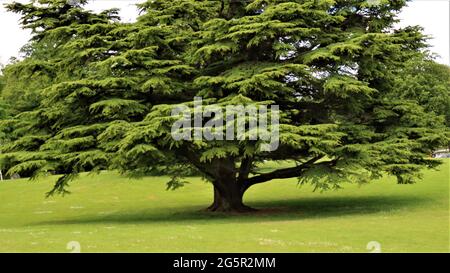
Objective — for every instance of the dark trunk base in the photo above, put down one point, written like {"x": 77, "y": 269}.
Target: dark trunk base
{"x": 238, "y": 208}
{"x": 229, "y": 202}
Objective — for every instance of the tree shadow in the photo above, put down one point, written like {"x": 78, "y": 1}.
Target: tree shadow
{"x": 279, "y": 210}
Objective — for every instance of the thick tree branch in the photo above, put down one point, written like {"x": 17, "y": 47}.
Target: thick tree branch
{"x": 282, "y": 173}
{"x": 244, "y": 169}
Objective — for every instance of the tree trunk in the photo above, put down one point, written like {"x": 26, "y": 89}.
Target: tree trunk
{"x": 228, "y": 191}
{"x": 228, "y": 198}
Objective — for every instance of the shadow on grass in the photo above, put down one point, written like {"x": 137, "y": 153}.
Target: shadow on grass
{"x": 281, "y": 210}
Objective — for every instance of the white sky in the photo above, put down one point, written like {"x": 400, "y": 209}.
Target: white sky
{"x": 433, "y": 15}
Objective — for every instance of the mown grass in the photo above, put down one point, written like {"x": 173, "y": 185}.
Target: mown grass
{"x": 109, "y": 213}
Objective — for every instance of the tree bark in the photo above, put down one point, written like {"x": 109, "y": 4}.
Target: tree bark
{"x": 228, "y": 198}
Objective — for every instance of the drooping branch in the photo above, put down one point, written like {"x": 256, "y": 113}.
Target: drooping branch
{"x": 194, "y": 159}
{"x": 281, "y": 173}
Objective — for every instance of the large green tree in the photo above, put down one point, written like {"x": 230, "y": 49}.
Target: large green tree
{"x": 330, "y": 66}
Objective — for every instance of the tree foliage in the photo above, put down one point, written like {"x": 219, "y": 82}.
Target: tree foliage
{"x": 428, "y": 83}
{"x": 103, "y": 92}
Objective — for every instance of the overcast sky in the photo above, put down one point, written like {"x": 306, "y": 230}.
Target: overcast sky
{"x": 433, "y": 15}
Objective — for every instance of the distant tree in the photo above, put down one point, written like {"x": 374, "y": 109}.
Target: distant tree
{"x": 4, "y": 113}
{"x": 330, "y": 66}
{"x": 2, "y": 80}
{"x": 4, "y": 107}
{"x": 428, "y": 83}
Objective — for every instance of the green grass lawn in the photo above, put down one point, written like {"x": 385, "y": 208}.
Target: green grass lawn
{"x": 109, "y": 213}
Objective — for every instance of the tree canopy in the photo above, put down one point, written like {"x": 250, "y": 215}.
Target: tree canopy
{"x": 94, "y": 93}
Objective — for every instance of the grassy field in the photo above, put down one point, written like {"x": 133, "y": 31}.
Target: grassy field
{"x": 108, "y": 213}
